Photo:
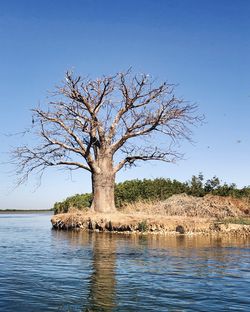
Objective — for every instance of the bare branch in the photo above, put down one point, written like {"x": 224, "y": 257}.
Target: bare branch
{"x": 145, "y": 154}
{"x": 89, "y": 122}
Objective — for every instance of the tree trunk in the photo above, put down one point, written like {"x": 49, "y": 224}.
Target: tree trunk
{"x": 103, "y": 188}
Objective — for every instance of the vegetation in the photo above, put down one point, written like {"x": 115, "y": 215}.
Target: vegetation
{"x": 143, "y": 226}
{"x": 157, "y": 189}
{"x": 199, "y": 187}
{"x": 243, "y": 221}
{"x": 81, "y": 202}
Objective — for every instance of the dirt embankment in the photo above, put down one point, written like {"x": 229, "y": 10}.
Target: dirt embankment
{"x": 181, "y": 214}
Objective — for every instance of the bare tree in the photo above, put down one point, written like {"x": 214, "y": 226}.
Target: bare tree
{"x": 103, "y": 125}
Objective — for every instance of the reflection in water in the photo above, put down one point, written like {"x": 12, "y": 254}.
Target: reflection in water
{"x": 43, "y": 270}
{"x": 102, "y": 281}
{"x": 155, "y": 266}
{"x": 101, "y": 284}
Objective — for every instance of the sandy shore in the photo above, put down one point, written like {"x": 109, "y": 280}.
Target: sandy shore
{"x": 144, "y": 223}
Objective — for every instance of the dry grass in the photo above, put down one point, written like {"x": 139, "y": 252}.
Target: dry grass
{"x": 144, "y": 207}
{"x": 189, "y": 206}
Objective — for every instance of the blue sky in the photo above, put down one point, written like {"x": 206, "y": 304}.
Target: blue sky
{"x": 203, "y": 46}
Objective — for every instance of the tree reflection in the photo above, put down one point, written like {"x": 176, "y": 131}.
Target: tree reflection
{"x": 102, "y": 283}
{"x": 99, "y": 284}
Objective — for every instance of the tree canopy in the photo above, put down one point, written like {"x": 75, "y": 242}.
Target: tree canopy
{"x": 103, "y": 125}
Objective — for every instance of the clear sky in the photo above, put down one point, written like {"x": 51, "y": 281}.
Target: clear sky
{"x": 203, "y": 46}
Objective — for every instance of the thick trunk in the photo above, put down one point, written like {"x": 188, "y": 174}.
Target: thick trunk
{"x": 103, "y": 188}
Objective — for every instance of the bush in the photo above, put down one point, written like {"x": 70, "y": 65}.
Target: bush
{"x": 155, "y": 190}
{"x": 143, "y": 226}
{"x": 137, "y": 190}
{"x": 80, "y": 202}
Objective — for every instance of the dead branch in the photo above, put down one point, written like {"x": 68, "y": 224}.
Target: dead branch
{"x": 89, "y": 120}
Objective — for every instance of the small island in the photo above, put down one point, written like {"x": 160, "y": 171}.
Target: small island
{"x": 106, "y": 124}
{"x": 201, "y": 213}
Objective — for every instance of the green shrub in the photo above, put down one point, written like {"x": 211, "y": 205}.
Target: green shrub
{"x": 80, "y": 202}
{"x": 243, "y": 221}
{"x": 143, "y": 226}
{"x": 157, "y": 189}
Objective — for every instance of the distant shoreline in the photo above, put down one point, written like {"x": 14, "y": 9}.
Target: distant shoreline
{"x": 20, "y": 211}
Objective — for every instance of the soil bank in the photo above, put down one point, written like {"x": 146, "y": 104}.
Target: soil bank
{"x": 180, "y": 214}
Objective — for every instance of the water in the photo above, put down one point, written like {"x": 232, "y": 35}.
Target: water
{"x": 44, "y": 270}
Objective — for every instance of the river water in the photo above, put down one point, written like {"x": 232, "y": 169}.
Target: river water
{"x": 45, "y": 270}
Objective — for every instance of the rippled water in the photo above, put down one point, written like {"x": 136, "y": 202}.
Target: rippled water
{"x": 45, "y": 270}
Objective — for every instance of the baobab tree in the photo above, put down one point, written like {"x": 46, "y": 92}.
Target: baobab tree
{"x": 103, "y": 125}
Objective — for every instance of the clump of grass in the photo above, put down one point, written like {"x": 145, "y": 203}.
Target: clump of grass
{"x": 243, "y": 221}
{"x": 75, "y": 210}
{"x": 143, "y": 226}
